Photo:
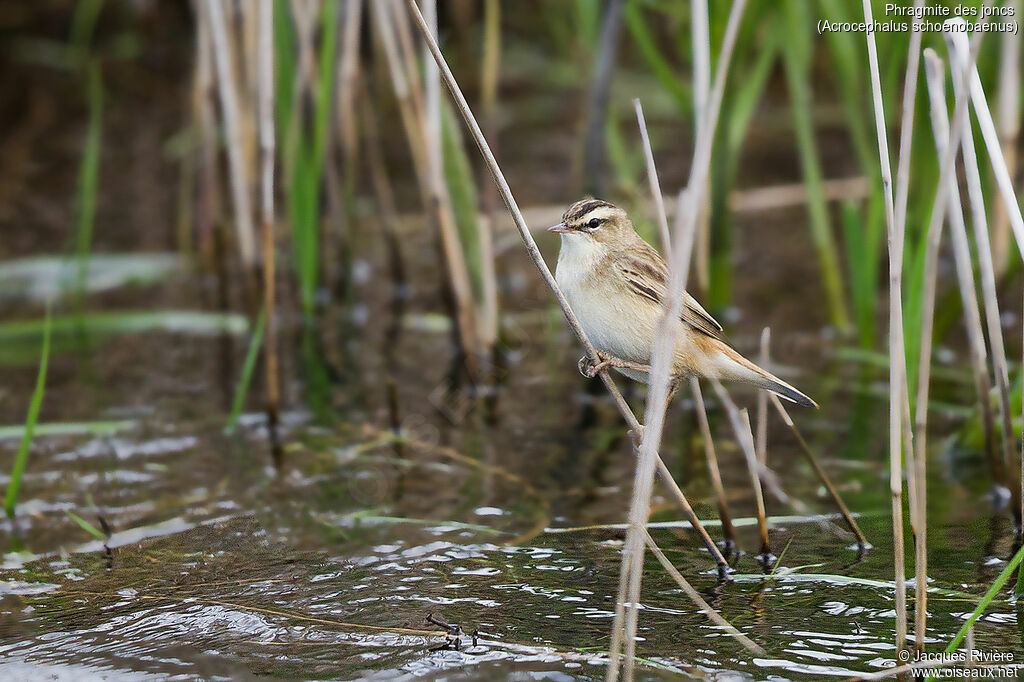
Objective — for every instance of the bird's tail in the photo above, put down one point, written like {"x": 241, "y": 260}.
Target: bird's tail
{"x": 735, "y": 367}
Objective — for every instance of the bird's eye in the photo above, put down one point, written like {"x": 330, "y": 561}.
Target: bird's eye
{"x": 593, "y": 223}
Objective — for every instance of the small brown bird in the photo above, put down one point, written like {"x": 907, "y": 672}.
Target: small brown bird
{"x": 615, "y": 283}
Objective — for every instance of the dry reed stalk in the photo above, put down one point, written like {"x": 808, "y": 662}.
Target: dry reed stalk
{"x": 695, "y": 597}
{"x": 984, "y": 250}
{"x": 490, "y": 66}
{"x": 897, "y": 358}
{"x": 914, "y": 481}
{"x": 990, "y": 135}
{"x": 406, "y": 48}
{"x": 700, "y": 39}
{"x": 916, "y": 470}
{"x": 741, "y": 429}
{"x": 770, "y": 480}
{"x": 246, "y": 41}
{"x": 652, "y": 179}
{"x": 656, "y": 405}
{"x": 265, "y": 89}
{"x": 915, "y": 452}
{"x": 819, "y": 471}
{"x": 348, "y": 89}
{"x": 401, "y": 88}
{"x": 935, "y": 72}
{"x": 662, "y": 352}
{"x": 549, "y": 279}
{"x": 205, "y": 119}
{"x": 249, "y": 30}
{"x": 762, "y": 403}
{"x": 728, "y": 532}
{"x": 1009, "y": 130}
{"x": 440, "y": 201}
{"x": 227, "y": 87}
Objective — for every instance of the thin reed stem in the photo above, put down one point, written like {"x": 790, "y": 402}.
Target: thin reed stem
{"x": 658, "y": 395}
{"x": 490, "y": 68}
{"x": 1008, "y": 107}
{"x": 204, "y": 119}
{"x": 652, "y": 178}
{"x": 897, "y": 357}
{"x": 935, "y": 73}
{"x": 741, "y": 429}
{"x": 762, "y": 403}
{"x": 265, "y": 90}
{"x": 728, "y": 532}
{"x": 1003, "y": 174}
{"x": 348, "y": 91}
{"x": 986, "y": 265}
{"x": 915, "y": 455}
{"x": 700, "y": 39}
{"x": 663, "y": 350}
{"x": 819, "y": 471}
{"x": 698, "y": 601}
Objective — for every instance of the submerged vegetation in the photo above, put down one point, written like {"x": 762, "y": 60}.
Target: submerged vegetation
{"x": 348, "y": 303}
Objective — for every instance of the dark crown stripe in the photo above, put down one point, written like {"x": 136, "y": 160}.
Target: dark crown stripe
{"x": 582, "y": 208}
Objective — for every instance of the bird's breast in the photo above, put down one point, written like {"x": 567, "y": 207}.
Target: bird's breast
{"x": 615, "y": 320}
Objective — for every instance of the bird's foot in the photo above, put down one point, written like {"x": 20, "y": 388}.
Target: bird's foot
{"x": 673, "y": 386}
{"x": 590, "y": 370}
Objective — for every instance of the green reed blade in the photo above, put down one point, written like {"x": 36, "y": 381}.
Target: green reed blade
{"x": 83, "y": 25}
{"x": 248, "y": 367}
{"x": 21, "y": 458}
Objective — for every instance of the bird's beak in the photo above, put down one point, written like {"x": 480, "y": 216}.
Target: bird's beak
{"x": 560, "y": 227}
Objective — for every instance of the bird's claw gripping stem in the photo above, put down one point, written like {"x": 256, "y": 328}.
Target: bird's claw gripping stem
{"x": 590, "y": 370}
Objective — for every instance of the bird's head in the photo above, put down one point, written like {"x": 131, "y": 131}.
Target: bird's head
{"x": 594, "y": 220}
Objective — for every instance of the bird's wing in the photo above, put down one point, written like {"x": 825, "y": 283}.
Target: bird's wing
{"x": 646, "y": 274}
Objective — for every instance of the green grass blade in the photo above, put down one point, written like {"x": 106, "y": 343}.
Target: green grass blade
{"x": 88, "y": 182}
{"x": 21, "y": 458}
{"x": 796, "y": 57}
{"x": 304, "y": 160}
{"x": 86, "y": 526}
{"x": 997, "y": 585}
{"x": 83, "y": 25}
{"x": 242, "y": 388}
{"x": 325, "y": 84}
{"x": 284, "y": 71}
{"x": 458, "y": 175}
{"x": 652, "y": 54}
